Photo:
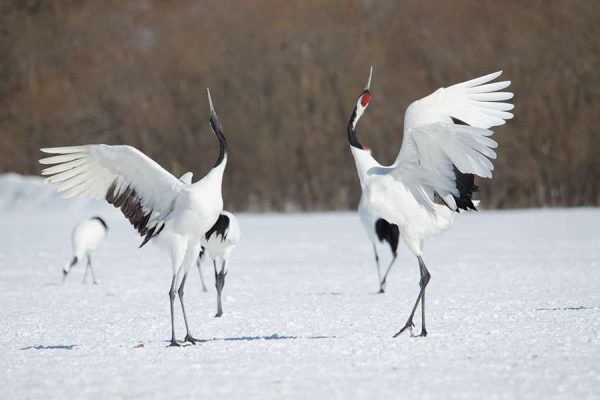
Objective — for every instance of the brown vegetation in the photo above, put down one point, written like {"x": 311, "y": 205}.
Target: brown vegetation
{"x": 284, "y": 76}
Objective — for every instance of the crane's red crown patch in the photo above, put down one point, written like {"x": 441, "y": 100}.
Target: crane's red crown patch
{"x": 365, "y": 99}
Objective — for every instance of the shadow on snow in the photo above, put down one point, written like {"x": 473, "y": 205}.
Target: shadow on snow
{"x": 51, "y": 347}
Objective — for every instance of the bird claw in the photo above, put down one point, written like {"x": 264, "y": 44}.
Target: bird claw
{"x": 174, "y": 344}
{"x": 409, "y": 325}
{"x": 189, "y": 339}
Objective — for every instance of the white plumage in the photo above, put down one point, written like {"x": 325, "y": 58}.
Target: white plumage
{"x": 173, "y": 214}
{"x": 446, "y": 142}
{"x": 218, "y": 243}
{"x": 86, "y": 237}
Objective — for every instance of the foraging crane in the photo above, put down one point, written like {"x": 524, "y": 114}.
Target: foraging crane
{"x": 379, "y": 230}
{"x": 219, "y": 242}
{"x": 172, "y": 214}
{"x": 87, "y": 235}
{"x": 446, "y": 143}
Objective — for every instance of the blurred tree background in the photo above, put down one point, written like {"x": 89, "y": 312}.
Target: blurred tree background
{"x": 284, "y": 76}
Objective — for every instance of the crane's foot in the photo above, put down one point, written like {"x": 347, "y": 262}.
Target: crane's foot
{"x": 409, "y": 325}
{"x": 189, "y": 339}
{"x": 423, "y": 332}
{"x": 219, "y": 314}
{"x": 174, "y": 343}
{"x": 381, "y": 290}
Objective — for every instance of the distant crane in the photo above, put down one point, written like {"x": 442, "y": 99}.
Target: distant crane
{"x": 379, "y": 230}
{"x": 446, "y": 143}
{"x": 219, "y": 242}
{"x": 86, "y": 237}
{"x": 161, "y": 208}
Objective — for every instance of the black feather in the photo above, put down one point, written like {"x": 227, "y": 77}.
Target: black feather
{"x": 388, "y": 232}
{"x": 219, "y": 228}
{"x": 465, "y": 183}
{"x": 131, "y": 206}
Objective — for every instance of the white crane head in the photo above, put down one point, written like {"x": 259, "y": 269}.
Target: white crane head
{"x": 361, "y": 105}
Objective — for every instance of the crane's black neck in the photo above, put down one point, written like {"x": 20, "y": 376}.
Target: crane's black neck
{"x": 352, "y": 136}
{"x": 216, "y": 127}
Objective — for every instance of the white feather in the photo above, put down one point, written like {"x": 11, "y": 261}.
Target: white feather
{"x": 91, "y": 170}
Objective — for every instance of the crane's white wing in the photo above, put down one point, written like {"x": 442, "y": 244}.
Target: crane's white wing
{"x": 477, "y": 103}
{"x": 122, "y": 175}
{"x": 440, "y": 149}
{"x": 449, "y": 131}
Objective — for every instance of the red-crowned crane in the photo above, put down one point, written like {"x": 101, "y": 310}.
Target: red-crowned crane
{"x": 87, "y": 236}
{"x": 379, "y": 231}
{"x": 218, "y": 243}
{"x": 446, "y": 143}
{"x": 164, "y": 210}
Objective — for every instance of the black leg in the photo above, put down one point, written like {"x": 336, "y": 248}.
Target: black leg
{"x": 219, "y": 284}
{"x": 425, "y": 277}
{"x": 89, "y": 265}
{"x": 382, "y": 289}
{"x": 172, "y": 301}
{"x": 188, "y": 335}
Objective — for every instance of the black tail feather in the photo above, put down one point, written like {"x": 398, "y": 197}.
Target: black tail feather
{"x": 465, "y": 183}
{"x": 388, "y": 232}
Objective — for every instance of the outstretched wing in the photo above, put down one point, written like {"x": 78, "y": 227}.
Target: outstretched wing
{"x": 122, "y": 175}
{"x": 477, "y": 103}
{"x": 434, "y": 147}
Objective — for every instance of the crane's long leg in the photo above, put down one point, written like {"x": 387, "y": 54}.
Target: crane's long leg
{"x": 382, "y": 287}
{"x": 89, "y": 265}
{"x": 425, "y": 273}
{"x": 381, "y": 290}
{"x": 425, "y": 277}
{"x": 172, "y": 300}
{"x": 198, "y": 264}
{"x": 188, "y": 335}
{"x": 219, "y": 284}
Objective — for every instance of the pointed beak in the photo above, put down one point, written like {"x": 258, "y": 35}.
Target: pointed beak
{"x": 210, "y": 103}
{"x": 214, "y": 122}
{"x": 369, "y": 81}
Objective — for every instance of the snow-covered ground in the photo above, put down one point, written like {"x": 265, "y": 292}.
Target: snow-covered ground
{"x": 513, "y": 310}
